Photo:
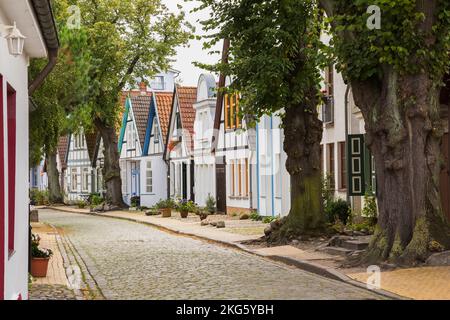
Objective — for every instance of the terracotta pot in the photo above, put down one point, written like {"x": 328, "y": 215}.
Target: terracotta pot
{"x": 203, "y": 216}
{"x": 39, "y": 267}
{"x": 166, "y": 212}
{"x": 184, "y": 214}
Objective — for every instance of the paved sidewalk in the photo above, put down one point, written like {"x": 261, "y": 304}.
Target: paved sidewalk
{"x": 55, "y": 285}
{"x": 415, "y": 283}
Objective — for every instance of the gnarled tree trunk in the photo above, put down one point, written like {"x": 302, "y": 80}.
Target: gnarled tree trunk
{"x": 404, "y": 131}
{"x": 303, "y": 133}
{"x": 111, "y": 169}
{"x": 54, "y": 188}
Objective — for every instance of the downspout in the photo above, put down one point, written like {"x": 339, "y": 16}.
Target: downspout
{"x": 347, "y": 92}
{"x": 37, "y": 82}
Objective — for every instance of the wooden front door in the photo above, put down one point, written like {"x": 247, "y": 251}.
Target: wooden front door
{"x": 445, "y": 177}
{"x": 221, "y": 193}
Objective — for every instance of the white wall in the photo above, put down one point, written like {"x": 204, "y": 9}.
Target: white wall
{"x": 159, "y": 177}
{"x": 14, "y": 71}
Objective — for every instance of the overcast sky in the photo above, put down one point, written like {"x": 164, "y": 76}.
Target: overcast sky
{"x": 185, "y": 56}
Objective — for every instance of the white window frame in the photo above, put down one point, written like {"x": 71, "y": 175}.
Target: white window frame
{"x": 85, "y": 179}
{"x": 149, "y": 177}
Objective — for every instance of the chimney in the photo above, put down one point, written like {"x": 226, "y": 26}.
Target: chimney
{"x": 143, "y": 88}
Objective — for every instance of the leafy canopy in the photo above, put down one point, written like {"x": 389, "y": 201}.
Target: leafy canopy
{"x": 403, "y": 41}
{"x": 130, "y": 40}
{"x": 275, "y": 54}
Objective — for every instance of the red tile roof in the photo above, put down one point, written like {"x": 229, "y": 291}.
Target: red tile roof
{"x": 164, "y": 105}
{"x": 63, "y": 144}
{"x": 187, "y": 96}
{"x": 141, "y": 107}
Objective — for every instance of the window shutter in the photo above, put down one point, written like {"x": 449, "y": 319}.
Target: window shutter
{"x": 356, "y": 164}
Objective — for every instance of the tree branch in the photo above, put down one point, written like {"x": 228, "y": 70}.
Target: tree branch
{"x": 129, "y": 72}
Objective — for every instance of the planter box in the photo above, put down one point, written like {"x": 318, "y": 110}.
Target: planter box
{"x": 39, "y": 267}
{"x": 184, "y": 214}
{"x": 166, "y": 213}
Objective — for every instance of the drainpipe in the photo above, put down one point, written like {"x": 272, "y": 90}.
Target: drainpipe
{"x": 37, "y": 82}
{"x": 347, "y": 92}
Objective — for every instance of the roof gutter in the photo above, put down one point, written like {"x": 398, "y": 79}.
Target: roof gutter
{"x": 44, "y": 15}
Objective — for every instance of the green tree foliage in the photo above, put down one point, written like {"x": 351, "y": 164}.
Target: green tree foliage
{"x": 275, "y": 60}
{"x": 129, "y": 41}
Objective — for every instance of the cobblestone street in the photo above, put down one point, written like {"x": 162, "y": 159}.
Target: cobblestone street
{"x": 128, "y": 260}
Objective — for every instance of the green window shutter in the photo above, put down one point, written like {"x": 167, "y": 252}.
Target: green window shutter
{"x": 356, "y": 165}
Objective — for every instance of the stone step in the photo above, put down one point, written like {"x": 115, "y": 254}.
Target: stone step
{"x": 337, "y": 251}
{"x": 354, "y": 244}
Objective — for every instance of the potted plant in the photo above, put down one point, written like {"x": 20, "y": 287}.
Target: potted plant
{"x": 165, "y": 207}
{"x": 203, "y": 213}
{"x": 39, "y": 258}
{"x": 135, "y": 202}
{"x": 211, "y": 204}
{"x": 184, "y": 207}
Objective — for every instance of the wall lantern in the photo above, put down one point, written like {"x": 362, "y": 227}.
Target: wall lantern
{"x": 15, "y": 40}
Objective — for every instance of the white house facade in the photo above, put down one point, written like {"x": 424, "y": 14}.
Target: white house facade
{"x": 34, "y": 20}
{"x": 273, "y": 180}
{"x": 38, "y": 177}
{"x": 235, "y": 159}
{"x": 179, "y": 150}
{"x": 204, "y": 159}
{"x": 141, "y": 146}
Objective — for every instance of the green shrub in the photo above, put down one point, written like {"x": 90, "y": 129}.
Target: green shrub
{"x": 370, "y": 209}
{"x": 165, "y": 204}
{"x": 39, "y": 198}
{"x": 211, "y": 204}
{"x": 135, "y": 201}
{"x": 255, "y": 216}
{"x": 337, "y": 210}
{"x": 186, "y": 205}
{"x": 95, "y": 199}
{"x": 81, "y": 204}
{"x": 269, "y": 219}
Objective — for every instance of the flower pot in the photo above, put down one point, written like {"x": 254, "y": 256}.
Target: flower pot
{"x": 166, "y": 212}
{"x": 39, "y": 267}
{"x": 184, "y": 214}
{"x": 203, "y": 216}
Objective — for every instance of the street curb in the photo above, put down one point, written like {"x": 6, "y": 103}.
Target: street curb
{"x": 300, "y": 264}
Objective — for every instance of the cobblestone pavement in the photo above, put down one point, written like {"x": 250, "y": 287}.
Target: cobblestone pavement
{"x": 51, "y": 292}
{"x": 129, "y": 260}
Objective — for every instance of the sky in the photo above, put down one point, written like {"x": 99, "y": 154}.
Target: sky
{"x": 185, "y": 56}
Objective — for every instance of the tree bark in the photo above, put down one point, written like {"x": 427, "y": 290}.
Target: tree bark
{"x": 303, "y": 133}
{"x": 404, "y": 132}
{"x": 54, "y": 188}
{"x": 111, "y": 169}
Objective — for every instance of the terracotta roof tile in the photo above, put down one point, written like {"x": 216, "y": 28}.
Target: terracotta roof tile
{"x": 164, "y": 105}
{"x": 63, "y": 144}
{"x": 141, "y": 107}
{"x": 187, "y": 96}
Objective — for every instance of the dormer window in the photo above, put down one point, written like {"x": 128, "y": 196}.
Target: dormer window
{"x": 158, "y": 83}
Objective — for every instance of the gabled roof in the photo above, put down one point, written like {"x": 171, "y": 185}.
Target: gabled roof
{"x": 63, "y": 146}
{"x": 141, "y": 107}
{"x": 187, "y": 96}
{"x": 164, "y": 102}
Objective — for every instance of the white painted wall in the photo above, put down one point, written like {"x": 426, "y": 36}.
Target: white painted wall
{"x": 14, "y": 71}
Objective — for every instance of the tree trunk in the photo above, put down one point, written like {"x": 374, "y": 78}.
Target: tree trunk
{"x": 303, "y": 133}
{"x": 111, "y": 169}
{"x": 54, "y": 188}
{"x": 404, "y": 131}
